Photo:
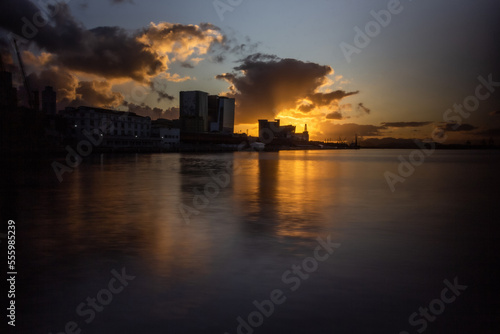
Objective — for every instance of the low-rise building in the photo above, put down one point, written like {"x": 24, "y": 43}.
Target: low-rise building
{"x": 119, "y": 129}
{"x": 168, "y": 131}
{"x": 304, "y": 136}
{"x": 272, "y": 131}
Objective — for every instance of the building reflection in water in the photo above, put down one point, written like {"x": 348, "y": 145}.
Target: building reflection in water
{"x": 285, "y": 192}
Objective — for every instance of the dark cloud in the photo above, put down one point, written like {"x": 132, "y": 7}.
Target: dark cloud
{"x": 71, "y": 92}
{"x": 121, "y": 1}
{"x": 63, "y": 82}
{"x": 220, "y": 58}
{"x": 164, "y": 96}
{"x": 361, "y": 107}
{"x": 269, "y": 84}
{"x": 187, "y": 65}
{"x": 96, "y": 93}
{"x": 489, "y": 132}
{"x": 348, "y": 130}
{"x": 325, "y": 99}
{"x": 85, "y": 4}
{"x": 260, "y": 57}
{"x": 453, "y": 127}
{"x": 334, "y": 115}
{"x": 161, "y": 91}
{"x": 12, "y": 13}
{"x": 388, "y": 142}
{"x": 110, "y": 52}
{"x": 106, "y": 51}
{"x": 243, "y": 48}
{"x": 405, "y": 124}
{"x": 153, "y": 113}
{"x": 306, "y": 107}
{"x": 231, "y": 45}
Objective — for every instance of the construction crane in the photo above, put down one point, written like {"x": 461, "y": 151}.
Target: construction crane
{"x": 30, "y": 98}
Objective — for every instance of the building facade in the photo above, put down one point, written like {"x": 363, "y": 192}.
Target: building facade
{"x": 49, "y": 101}
{"x": 193, "y": 112}
{"x": 273, "y": 130}
{"x": 170, "y": 137}
{"x": 8, "y": 93}
{"x": 304, "y": 136}
{"x": 221, "y": 114}
{"x": 118, "y": 129}
{"x": 200, "y": 112}
{"x": 168, "y": 131}
{"x": 227, "y": 107}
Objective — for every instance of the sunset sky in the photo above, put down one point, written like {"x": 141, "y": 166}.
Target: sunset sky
{"x": 303, "y": 62}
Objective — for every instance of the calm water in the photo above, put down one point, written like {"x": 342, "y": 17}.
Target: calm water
{"x": 199, "y": 272}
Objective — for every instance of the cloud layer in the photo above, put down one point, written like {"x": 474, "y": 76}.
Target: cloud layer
{"x": 264, "y": 85}
{"x": 82, "y": 64}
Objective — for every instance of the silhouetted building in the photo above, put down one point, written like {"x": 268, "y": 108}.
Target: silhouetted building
{"x": 227, "y": 106}
{"x": 49, "y": 100}
{"x": 213, "y": 112}
{"x": 194, "y": 111}
{"x": 119, "y": 129}
{"x": 8, "y": 94}
{"x": 273, "y": 131}
{"x": 267, "y": 128}
{"x": 168, "y": 131}
{"x": 304, "y": 136}
{"x": 221, "y": 113}
{"x": 36, "y": 100}
{"x": 265, "y": 124}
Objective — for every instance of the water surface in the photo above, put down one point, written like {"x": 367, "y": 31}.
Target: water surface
{"x": 199, "y": 271}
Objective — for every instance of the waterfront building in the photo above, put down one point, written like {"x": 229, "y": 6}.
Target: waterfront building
{"x": 118, "y": 128}
{"x": 168, "y": 131}
{"x": 221, "y": 113}
{"x": 200, "y": 112}
{"x": 193, "y": 112}
{"x": 304, "y": 136}
{"x": 273, "y": 130}
{"x": 8, "y": 93}
{"x": 49, "y": 100}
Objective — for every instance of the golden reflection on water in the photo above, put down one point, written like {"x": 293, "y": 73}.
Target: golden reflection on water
{"x": 287, "y": 191}
{"x": 131, "y": 204}
{"x": 124, "y": 212}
